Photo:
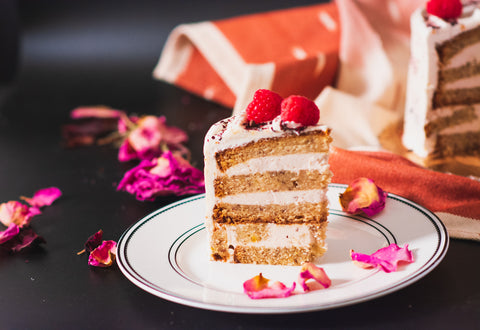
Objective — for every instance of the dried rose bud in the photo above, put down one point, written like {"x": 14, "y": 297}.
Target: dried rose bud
{"x": 363, "y": 195}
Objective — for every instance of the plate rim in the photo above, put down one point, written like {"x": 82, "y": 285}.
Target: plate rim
{"x": 152, "y": 288}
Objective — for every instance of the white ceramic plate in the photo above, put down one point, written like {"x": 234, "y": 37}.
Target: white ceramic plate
{"x": 166, "y": 254}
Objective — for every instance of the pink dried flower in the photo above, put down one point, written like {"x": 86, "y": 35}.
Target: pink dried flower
{"x": 363, "y": 195}
{"x": 137, "y": 137}
{"x": 9, "y": 233}
{"x": 100, "y": 111}
{"x": 259, "y": 287}
{"x": 311, "y": 271}
{"x": 17, "y": 216}
{"x": 169, "y": 174}
{"x": 92, "y": 125}
{"x": 94, "y": 241}
{"x": 17, "y": 213}
{"x": 386, "y": 258}
{"x": 103, "y": 255}
{"x": 148, "y": 137}
{"x": 16, "y": 238}
{"x": 43, "y": 197}
{"x": 26, "y": 237}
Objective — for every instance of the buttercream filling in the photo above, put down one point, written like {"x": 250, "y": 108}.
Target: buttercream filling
{"x": 270, "y": 197}
{"x": 294, "y": 162}
{"x": 463, "y": 83}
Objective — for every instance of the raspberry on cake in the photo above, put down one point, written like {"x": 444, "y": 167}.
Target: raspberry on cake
{"x": 264, "y": 107}
{"x": 266, "y": 187}
{"x": 442, "y": 114}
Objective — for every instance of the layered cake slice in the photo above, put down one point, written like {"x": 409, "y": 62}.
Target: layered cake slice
{"x": 442, "y": 115}
{"x": 266, "y": 177}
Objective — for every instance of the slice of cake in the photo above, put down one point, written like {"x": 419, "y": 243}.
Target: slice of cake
{"x": 442, "y": 115}
{"x": 266, "y": 177}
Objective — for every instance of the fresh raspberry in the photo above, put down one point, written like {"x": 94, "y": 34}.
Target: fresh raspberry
{"x": 446, "y": 9}
{"x": 300, "y": 110}
{"x": 264, "y": 107}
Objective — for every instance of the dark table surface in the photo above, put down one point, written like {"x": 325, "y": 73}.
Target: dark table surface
{"x": 103, "y": 52}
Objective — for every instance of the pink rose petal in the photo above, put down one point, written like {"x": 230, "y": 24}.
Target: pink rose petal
{"x": 149, "y": 135}
{"x": 260, "y": 287}
{"x": 20, "y": 238}
{"x": 386, "y": 258}
{"x": 25, "y": 238}
{"x": 43, "y": 197}
{"x": 103, "y": 255}
{"x": 363, "y": 195}
{"x": 9, "y": 233}
{"x": 95, "y": 112}
{"x": 17, "y": 213}
{"x": 311, "y": 271}
{"x": 94, "y": 241}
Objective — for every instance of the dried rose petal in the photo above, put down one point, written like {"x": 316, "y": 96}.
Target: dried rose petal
{"x": 169, "y": 174}
{"x": 363, "y": 195}
{"x": 386, "y": 258}
{"x": 25, "y": 237}
{"x": 148, "y": 137}
{"x": 93, "y": 125}
{"x": 310, "y": 271}
{"x": 96, "y": 112}
{"x": 259, "y": 287}
{"x": 9, "y": 233}
{"x": 43, "y": 197}
{"x": 103, "y": 255}
{"x": 88, "y": 131}
{"x": 17, "y": 213}
{"x": 94, "y": 241}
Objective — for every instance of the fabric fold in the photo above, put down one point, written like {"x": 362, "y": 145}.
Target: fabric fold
{"x": 291, "y": 51}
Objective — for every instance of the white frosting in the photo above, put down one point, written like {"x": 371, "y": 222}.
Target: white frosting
{"x": 279, "y": 197}
{"x": 293, "y": 162}
{"x": 426, "y": 32}
{"x": 468, "y": 82}
{"x": 231, "y": 132}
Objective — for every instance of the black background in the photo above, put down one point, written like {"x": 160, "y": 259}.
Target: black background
{"x": 73, "y": 53}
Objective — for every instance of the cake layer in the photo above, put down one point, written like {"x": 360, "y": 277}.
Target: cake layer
{"x": 271, "y": 213}
{"x": 270, "y": 181}
{"x": 456, "y": 97}
{"x": 268, "y": 243}
{"x": 292, "y": 256}
{"x": 308, "y": 142}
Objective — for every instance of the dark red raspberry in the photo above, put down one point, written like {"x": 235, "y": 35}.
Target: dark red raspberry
{"x": 264, "y": 107}
{"x": 300, "y": 110}
{"x": 446, "y": 9}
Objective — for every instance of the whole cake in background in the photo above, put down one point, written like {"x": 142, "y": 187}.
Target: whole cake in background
{"x": 442, "y": 115}
{"x": 266, "y": 179}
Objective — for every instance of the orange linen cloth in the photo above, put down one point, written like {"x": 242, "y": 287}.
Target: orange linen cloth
{"x": 292, "y": 51}
{"x": 454, "y": 199}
